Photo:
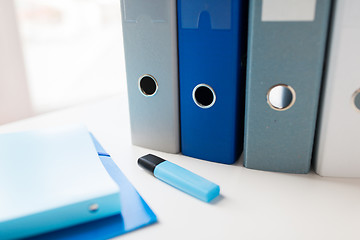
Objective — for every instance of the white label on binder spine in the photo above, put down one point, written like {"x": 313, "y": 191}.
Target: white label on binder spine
{"x": 288, "y": 10}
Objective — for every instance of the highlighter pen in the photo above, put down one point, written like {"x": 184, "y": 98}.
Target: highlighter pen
{"x": 180, "y": 178}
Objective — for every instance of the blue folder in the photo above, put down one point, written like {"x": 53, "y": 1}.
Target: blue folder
{"x": 135, "y": 213}
{"x": 212, "y": 38}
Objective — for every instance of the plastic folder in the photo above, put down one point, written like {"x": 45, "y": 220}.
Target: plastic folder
{"x": 135, "y": 212}
{"x": 61, "y": 178}
{"x": 150, "y": 46}
{"x": 212, "y": 40}
{"x": 287, "y": 41}
{"x": 52, "y": 179}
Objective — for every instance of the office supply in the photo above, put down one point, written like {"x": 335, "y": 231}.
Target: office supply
{"x": 287, "y": 42}
{"x": 212, "y": 37}
{"x": 135, "y": 213}
{"x": 337, "y": 150}
{"x": 150, "y": 44}
{"x": 180, "y": 178}
{"x": 305, "y": 206}
{"x": 52, "y": 179}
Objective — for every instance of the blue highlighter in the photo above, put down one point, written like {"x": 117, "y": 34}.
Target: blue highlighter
{"x": 180, "y": 178}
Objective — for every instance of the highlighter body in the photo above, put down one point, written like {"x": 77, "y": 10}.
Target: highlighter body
{"x": 180, "y": 178}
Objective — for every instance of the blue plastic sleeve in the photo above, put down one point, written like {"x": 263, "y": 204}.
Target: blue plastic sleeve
{"x": 187, "y": 181}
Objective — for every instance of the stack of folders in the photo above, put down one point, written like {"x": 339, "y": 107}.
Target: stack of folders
{"x": 60, "y": 184}
{"x": 213, "y": 78}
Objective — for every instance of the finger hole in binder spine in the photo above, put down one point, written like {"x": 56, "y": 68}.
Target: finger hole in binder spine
{"x": 148, "y": 85}
{"x": 281, "y": 97}
{"x": 204, "y": 96}
{"x": 356, "y": 99}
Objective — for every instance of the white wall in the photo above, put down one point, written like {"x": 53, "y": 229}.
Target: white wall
{"x": 14, "y": 95}
{"x": 73, "y": 51}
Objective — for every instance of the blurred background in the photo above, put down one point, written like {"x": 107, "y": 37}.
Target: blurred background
{"x": 71, "y": 51}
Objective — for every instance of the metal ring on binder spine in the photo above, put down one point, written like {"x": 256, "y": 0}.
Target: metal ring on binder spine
{"x": 151, "y": 84}
{"x": 281, "y": 97}
{"x": 207, "y": 93}
{"x": 356, "y": 100}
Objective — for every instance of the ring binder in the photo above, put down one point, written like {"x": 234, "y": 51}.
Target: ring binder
{"x": 212, "y": 39}
{"x": 150, "y": 44}
{"x": 337, "y": 146}
{"x": 286, "y": 55}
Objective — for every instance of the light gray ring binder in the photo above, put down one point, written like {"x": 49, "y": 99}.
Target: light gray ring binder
{"x": 150, "y": 43}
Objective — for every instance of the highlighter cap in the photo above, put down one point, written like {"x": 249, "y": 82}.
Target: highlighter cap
{"x": 149, "y": 162}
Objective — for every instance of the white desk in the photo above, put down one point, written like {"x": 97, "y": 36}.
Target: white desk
{"x": 253, "y": 204}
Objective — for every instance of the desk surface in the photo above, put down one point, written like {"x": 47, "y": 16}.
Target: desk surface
{"x": 253, "y": 204}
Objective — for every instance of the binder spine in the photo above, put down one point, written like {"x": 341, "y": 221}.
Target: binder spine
{"x": 210, "y": 34}
{"x": 150, "y": 44}
{"x": 337, "y": 150}
{"x": 285, "y": 63}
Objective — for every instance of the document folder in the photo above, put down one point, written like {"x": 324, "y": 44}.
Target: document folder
{"x": 212, "y": 37}
{"x": 287, "y": 41}
{"x": 337, "y": 152}
{"x": 52, "y": 179}
{"x": 150, "y": 44}
{"x": 135, "y": 213}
